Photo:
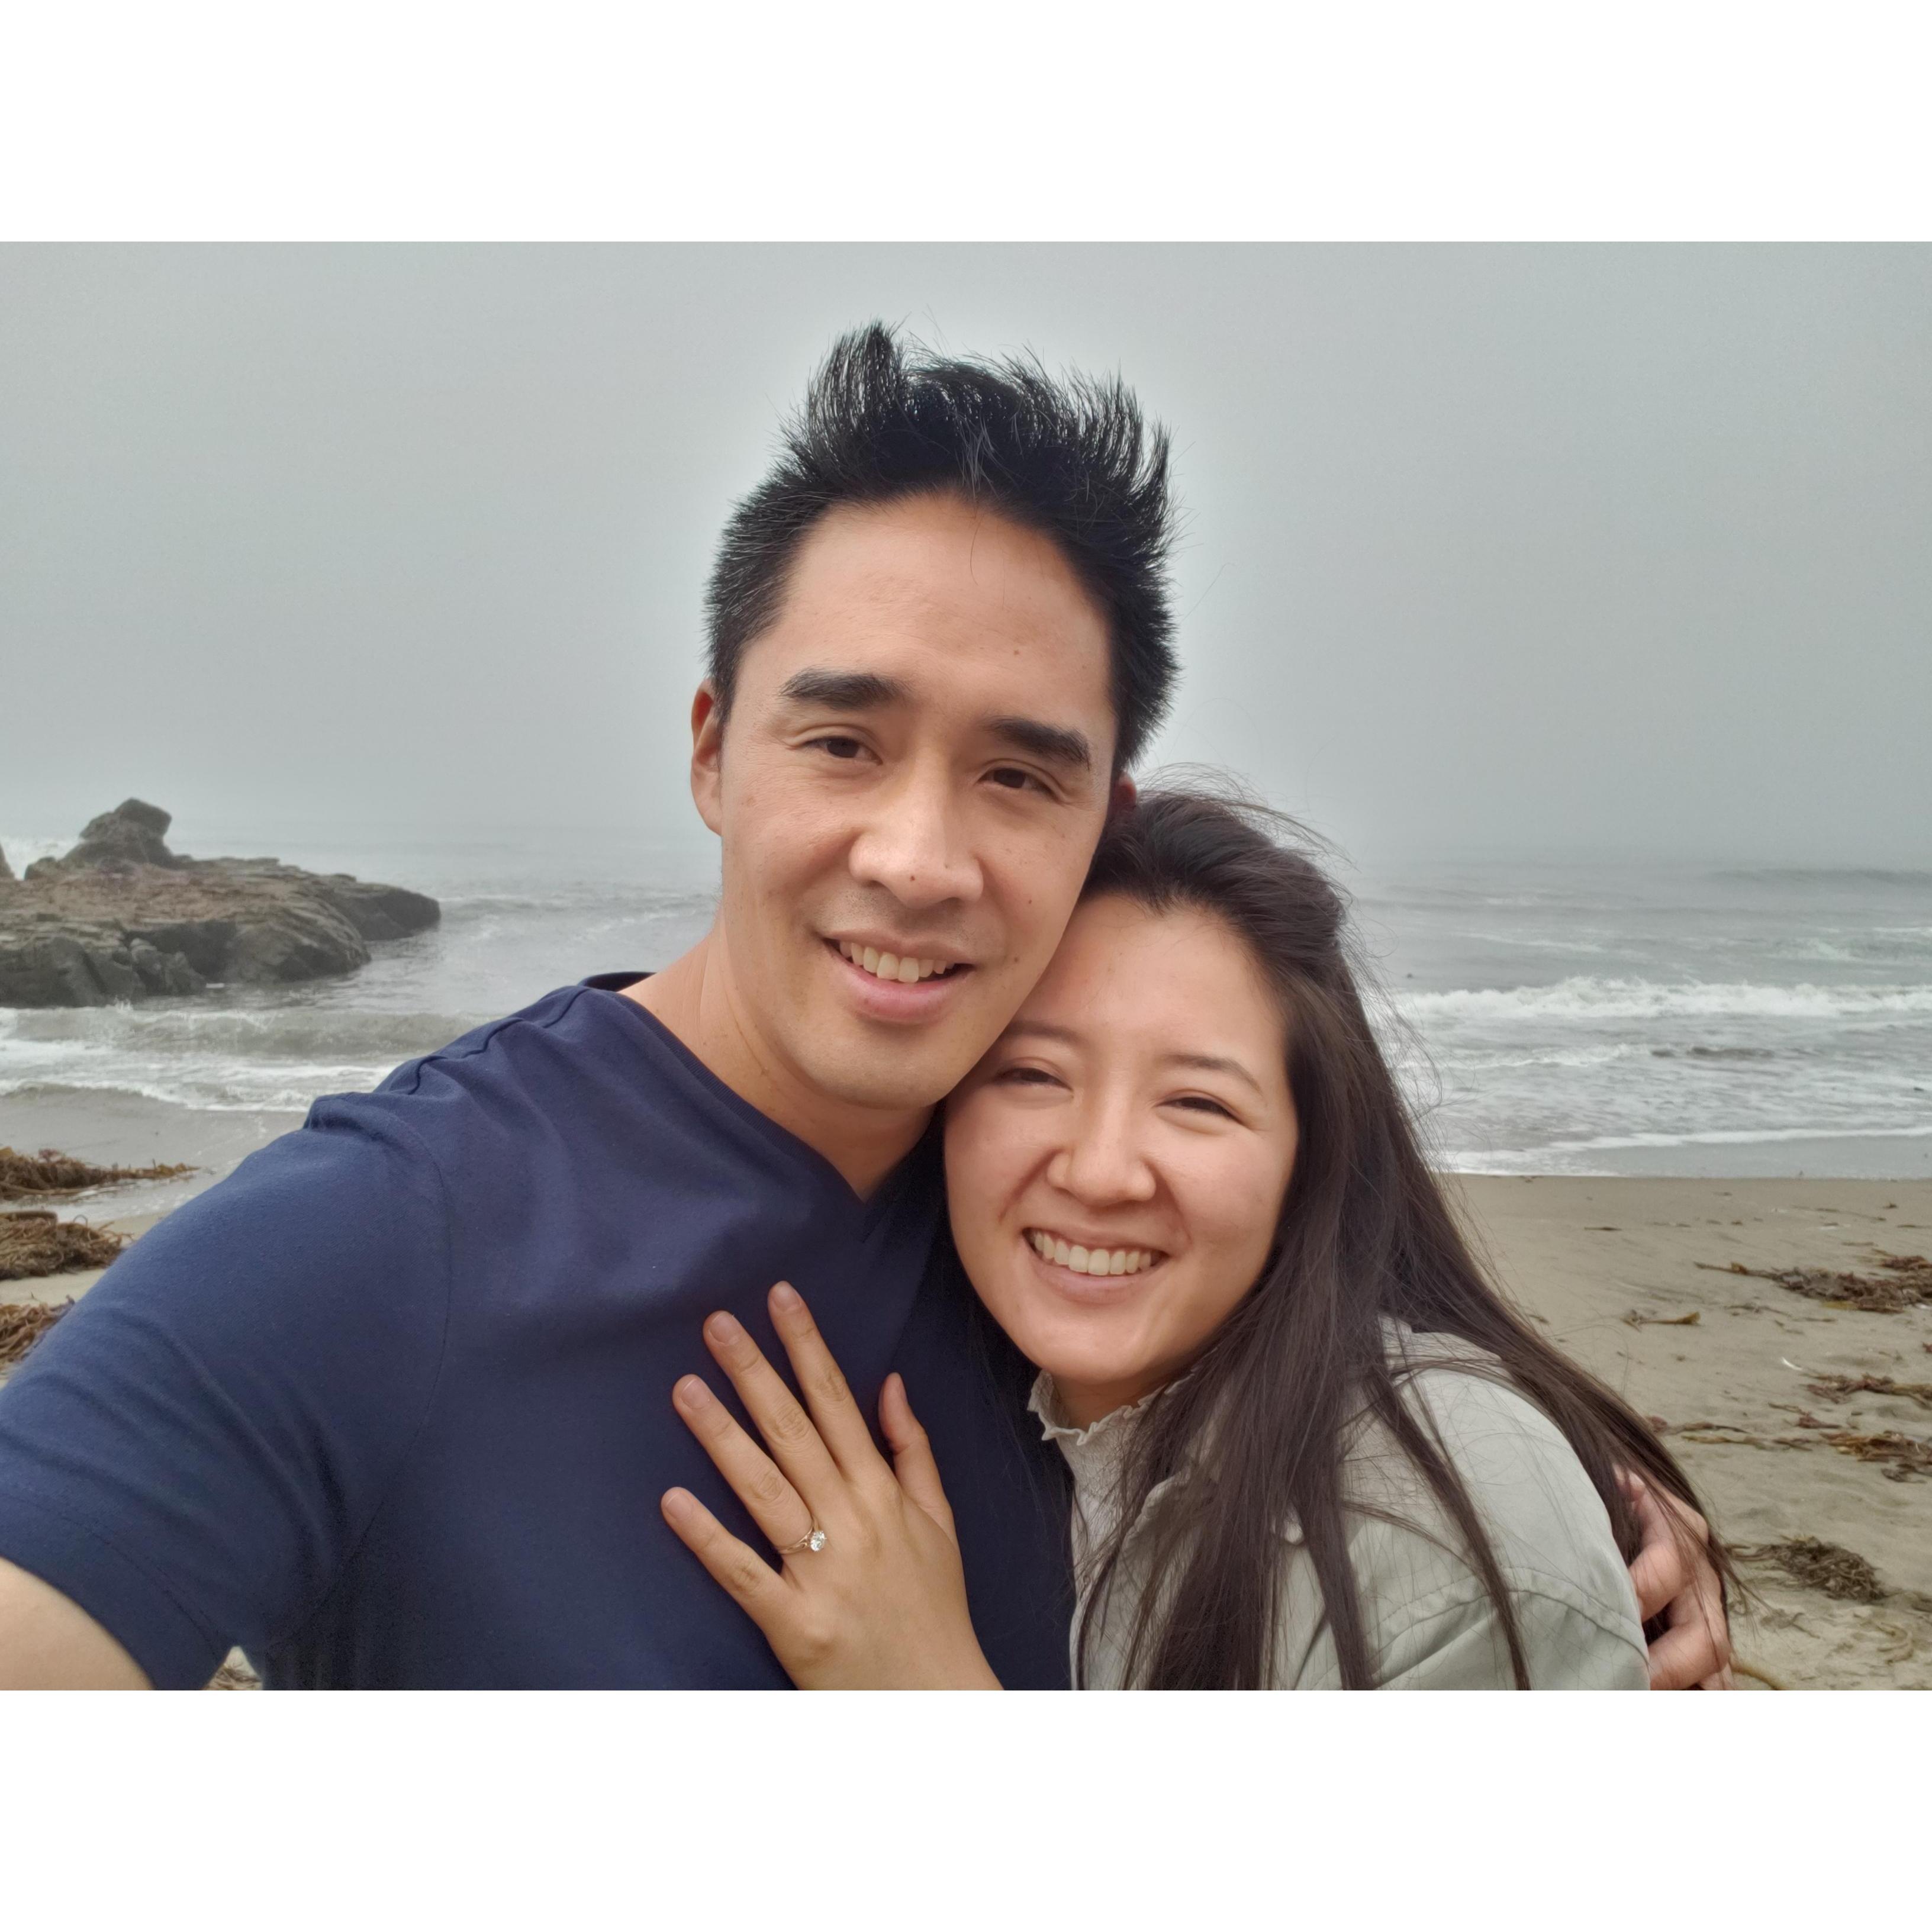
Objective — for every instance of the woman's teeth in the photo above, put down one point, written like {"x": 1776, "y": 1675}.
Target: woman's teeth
{"x": 908, "y": 971}
{"x": 1091, "y": 1261}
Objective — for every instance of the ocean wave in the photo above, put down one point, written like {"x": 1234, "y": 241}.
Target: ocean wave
{"x": 1491, "y": 1061}
{"x": 1528, "y": 942}
{"x": 208, "y": 1090}
{"x": 274, "y": 1059}
{"x": 337, "y": 1034}
{"x": 1588, "y": 999}
{"x": 21, "y": 852}
{"x": 1910, "y": 877}
{"x": 623, "y": 900}
{"x": 1468, "y": 1160}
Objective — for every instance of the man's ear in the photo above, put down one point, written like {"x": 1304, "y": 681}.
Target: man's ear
{"x": 1125, "y": 794}
{"x": 707, "y": 754}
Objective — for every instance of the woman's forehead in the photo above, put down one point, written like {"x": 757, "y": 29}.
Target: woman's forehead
{"x": 1121, "y": 961}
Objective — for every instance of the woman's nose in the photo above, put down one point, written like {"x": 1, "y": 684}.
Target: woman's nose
{"x": 1103, "y": 1160}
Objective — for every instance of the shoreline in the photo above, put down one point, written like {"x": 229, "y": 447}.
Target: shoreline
{"x": 1629, "y": 1275}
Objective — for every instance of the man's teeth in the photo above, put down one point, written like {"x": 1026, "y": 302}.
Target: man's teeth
{"x": 1091, "y": 1261}
{"x": 908, "y": 971}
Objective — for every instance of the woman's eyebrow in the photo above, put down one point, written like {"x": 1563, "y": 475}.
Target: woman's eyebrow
{"x": 1212, "y": 1062}
{"x": 1025, "y": 1029}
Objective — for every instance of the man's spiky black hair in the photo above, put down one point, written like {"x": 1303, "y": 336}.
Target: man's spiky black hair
{"x": 1072, "y": 459}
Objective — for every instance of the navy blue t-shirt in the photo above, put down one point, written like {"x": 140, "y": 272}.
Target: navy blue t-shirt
{"x": 391, "y": 1405}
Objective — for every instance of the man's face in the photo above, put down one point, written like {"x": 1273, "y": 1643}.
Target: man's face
{"x": 915, "y": 772}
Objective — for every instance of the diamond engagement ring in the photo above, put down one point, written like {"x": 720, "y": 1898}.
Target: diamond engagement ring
{"x": 813, "y": 1540}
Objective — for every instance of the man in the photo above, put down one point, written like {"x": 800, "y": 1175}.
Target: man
{"x": 391, "y": 1405}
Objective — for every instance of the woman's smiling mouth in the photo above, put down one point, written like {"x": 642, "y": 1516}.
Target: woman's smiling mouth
{"x": 1095, "y": 1261}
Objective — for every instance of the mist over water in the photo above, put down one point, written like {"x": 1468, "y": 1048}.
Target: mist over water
{"x": 1549, "y": 1019}
{"x": 1574, "y": 551}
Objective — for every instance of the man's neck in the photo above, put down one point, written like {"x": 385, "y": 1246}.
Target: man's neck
{"x": 695, "y": 999}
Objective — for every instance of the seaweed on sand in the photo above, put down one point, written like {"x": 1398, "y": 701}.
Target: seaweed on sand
{"x": 22, "y": 1323}
{"x": 51, "y": 1174}
{"x": 1839, "y": 1386}
{"x": 1903, "y": 1456}
{"x": 1905, "y": 1283}
{"x": 35, "y": 1241}
{"x": 1837, "y": 1571}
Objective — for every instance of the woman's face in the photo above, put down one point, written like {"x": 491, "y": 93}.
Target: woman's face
{"x": 1115, "y": 1165}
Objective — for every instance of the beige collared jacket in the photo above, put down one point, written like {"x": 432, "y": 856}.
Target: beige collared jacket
{"x": 1430, "y": 1623}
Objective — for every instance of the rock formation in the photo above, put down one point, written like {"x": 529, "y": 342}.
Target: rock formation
{"x": 120, "y": 917}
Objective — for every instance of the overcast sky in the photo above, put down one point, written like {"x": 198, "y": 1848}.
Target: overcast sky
{"x": 1570, "y": 550}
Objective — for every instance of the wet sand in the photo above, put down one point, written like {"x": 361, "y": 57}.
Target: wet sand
{"x": 1610, "y": 1268}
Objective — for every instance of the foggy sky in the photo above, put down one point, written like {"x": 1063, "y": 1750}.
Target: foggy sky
{"x": 1592, "y": 551}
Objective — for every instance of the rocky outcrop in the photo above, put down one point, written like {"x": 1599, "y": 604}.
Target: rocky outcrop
{"x": 133, "y": 833}
{"x": 120, "y": 917}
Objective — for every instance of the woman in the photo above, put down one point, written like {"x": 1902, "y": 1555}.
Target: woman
{"x": 1310, "y": 1445}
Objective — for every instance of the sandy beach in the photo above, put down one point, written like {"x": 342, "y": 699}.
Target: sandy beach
{"x": 1631, "y": 1275}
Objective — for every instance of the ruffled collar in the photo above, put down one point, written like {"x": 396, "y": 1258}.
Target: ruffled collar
{"x": 1055, "y": 1426}
{"x": 1095, "y": 1453}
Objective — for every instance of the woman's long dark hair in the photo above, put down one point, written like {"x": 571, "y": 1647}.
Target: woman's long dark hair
{"x": 1364, "y": 1233}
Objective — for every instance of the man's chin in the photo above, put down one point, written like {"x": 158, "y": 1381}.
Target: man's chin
{"x": 886, "y": 1082}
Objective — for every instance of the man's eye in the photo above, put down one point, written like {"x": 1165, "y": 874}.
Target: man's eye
{"x": 1012, "y": 779}
{"x": 840, "y": 748}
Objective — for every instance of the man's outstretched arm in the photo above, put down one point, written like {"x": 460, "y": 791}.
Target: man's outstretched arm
{"x": 188, "y": 1457}
{"x": 49, "y": 1642}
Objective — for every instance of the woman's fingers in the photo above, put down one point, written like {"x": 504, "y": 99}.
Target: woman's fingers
{"x": 912, "y": 1455}
{"x": 795, "y": 1444}
{"x": 841, "y": 1425}
{"x": 776, "y": 1507}
{"x": 745, "y": 1577}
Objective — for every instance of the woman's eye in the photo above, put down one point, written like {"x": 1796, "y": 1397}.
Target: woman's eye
{"x": 1199, "y": 1103}
{"x": 1026, "y": 1076}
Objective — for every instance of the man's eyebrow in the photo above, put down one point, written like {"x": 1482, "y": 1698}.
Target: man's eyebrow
{"x": 841, "y": 690}
{"x": 1054, "y": 742}
{"x": 866, "y": 691}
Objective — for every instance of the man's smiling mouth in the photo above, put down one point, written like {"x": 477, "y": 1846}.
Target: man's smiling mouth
{"x": 1063, "y": 1253}
{"x": 907, "y": 970}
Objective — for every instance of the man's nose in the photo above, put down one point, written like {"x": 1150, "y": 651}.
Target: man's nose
{"x": 1105, "y": 1161}
{"x": 916, "y": 844}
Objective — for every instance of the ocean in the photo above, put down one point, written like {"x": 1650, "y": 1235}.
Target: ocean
{"x": 1574, "y": 1019}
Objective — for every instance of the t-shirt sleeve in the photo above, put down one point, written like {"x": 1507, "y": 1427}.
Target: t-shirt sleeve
{"x": 193, "y": 1453}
